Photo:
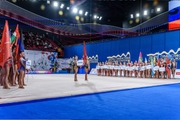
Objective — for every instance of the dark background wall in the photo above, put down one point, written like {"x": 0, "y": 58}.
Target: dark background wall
{"x": 146, "y": 44}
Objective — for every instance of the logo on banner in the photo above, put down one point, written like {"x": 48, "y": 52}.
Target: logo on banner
{"x": 164, "y": 54}
{"x": 120, "y": 58}
{"x": 80, "y": 63}
{"x": 93, "y": 59}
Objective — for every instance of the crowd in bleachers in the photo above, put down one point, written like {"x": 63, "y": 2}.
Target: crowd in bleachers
{"x": 35, "y": 41}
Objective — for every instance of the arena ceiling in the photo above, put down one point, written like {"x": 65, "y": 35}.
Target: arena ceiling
{"x": 113, "y": 12}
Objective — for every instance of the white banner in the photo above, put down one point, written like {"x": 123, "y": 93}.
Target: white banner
{"x": 41, "y": 60}
{"x": 64, "y": 63}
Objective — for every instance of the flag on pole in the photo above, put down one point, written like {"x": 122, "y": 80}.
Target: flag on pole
{"x": 85, "y": 53}
{"x": 158, "y": 59}
{"x": 19, "y": 48}
{"x": 152, "y": 66}
{"x": 145, "y": 60}
{"x": 15, "y": 36}
{"x": 5, "y": 48}
{"x": 140, "y": 58}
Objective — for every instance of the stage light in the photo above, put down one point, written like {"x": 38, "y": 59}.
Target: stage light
{"x": 14, "y": 1}
{"x": 86, "y": 13}
{"x": 95, "y": 16}
{"x": 75, "y": 10}
{"x": 158, "y": 9}
{"x": 67, "y": 8}
{"x": 100, "y": 18}
{"x": 48, "y": 1}
{"x": 55, "y": 4}
{"x": 42, "y": 7}
{"x": 82, "y": 19}
{"x": 77, "y": 18}
{"x": 132, "y": 16}
{"x": 137, "y": 20}
{"x": 131, "y": 22}
{"x": 80, "y": 12}
{"x": 137, "y": 15}
{"x": 145, "y": 12}
{"x": 62, "y": 5}
{"x": 60, "y": 12}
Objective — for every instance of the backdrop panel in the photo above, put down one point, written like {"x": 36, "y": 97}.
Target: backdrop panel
{"x": 146, "y": 44}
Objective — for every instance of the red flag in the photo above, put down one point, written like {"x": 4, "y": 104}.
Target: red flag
{"x": 167, "y": 61}
{"x": 5, "y": 47}
{"x": 85, "y": 53}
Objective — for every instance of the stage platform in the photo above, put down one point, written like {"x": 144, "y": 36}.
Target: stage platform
{"x": 41, "y": 86}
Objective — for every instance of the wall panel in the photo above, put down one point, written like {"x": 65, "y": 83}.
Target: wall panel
{"x": 146, "y": 44}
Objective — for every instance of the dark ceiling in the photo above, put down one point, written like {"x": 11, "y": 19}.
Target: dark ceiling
{"x": 113, "y": 12}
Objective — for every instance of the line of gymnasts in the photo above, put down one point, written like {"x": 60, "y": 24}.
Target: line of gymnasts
{"x": 161, "y": 69}
{"x": 12, "y": 74}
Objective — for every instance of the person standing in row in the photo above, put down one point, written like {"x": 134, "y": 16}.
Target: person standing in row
{"x": 75, "y": 68}
{"x": 87, "y": 67}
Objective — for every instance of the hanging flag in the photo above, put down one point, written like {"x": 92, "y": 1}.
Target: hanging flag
{"x": 158, "y": 59}
{"x": 19, "y": 48}
{"x": 5, "y": 48}
{"x": 85, "y": 53}
{"x": 15, "y": 36}
{"x": 154, "y": 61}
{"x": 145, "y": 60}
{"x": 152, "y": 66}
{"x": 140, "y": 58}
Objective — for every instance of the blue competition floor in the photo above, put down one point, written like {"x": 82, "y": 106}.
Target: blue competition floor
{"x": 161, "y": 102}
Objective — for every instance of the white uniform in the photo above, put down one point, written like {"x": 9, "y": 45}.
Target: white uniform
{"x": 156, "y": 68}
{"x": 136, "y": 67}
{"x": 97, "y": 67}
{"x": 162, "y": 69}
{"x": 119, "y": 67}
{"x": 142, "y": 68}
{"x": 111, "y": 67}
{"x": 105, "y": 67}
{"x": 116, "y": 67}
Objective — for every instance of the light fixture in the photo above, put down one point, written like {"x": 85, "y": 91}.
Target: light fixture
{"x": 132, "y": 16}
{"x": 80, "y": 12}
{"x": 145, "y": 12}
{"x": 48, "y": 1}
{"x": 75, "y": 10}
{"x": 95, "y": 16}
{"x": 67, "y": 8}
{"x": 55, "y": 4}
{"x": 62, "y": 5}
{"x": 158, "y": 9}
{"x": 86, "y": 13}
{"x": 100, "y": 18}
{"x": 137, "y": 15}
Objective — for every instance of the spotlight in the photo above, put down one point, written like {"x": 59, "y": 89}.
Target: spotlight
{"x": 95, "y": 16}
{"x": 158, "y": 9}
{"x": 55, "y": 4}
{"x": 86, "y": 13}
{"x": 132, "y": 16}
{"x": 75, "y": 10}
{"x": 62, "y": 5}
{"x": 145, "y": 12}
{"x": 100, "y": 18}
{"x": 48, "y": 1}
{"x": 67, "y": 8}
{"x": 137, "y": 15}
{"x": 80, "y": 12}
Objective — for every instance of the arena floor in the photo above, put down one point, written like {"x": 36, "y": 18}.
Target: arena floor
{"x": 43, "y": 86}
